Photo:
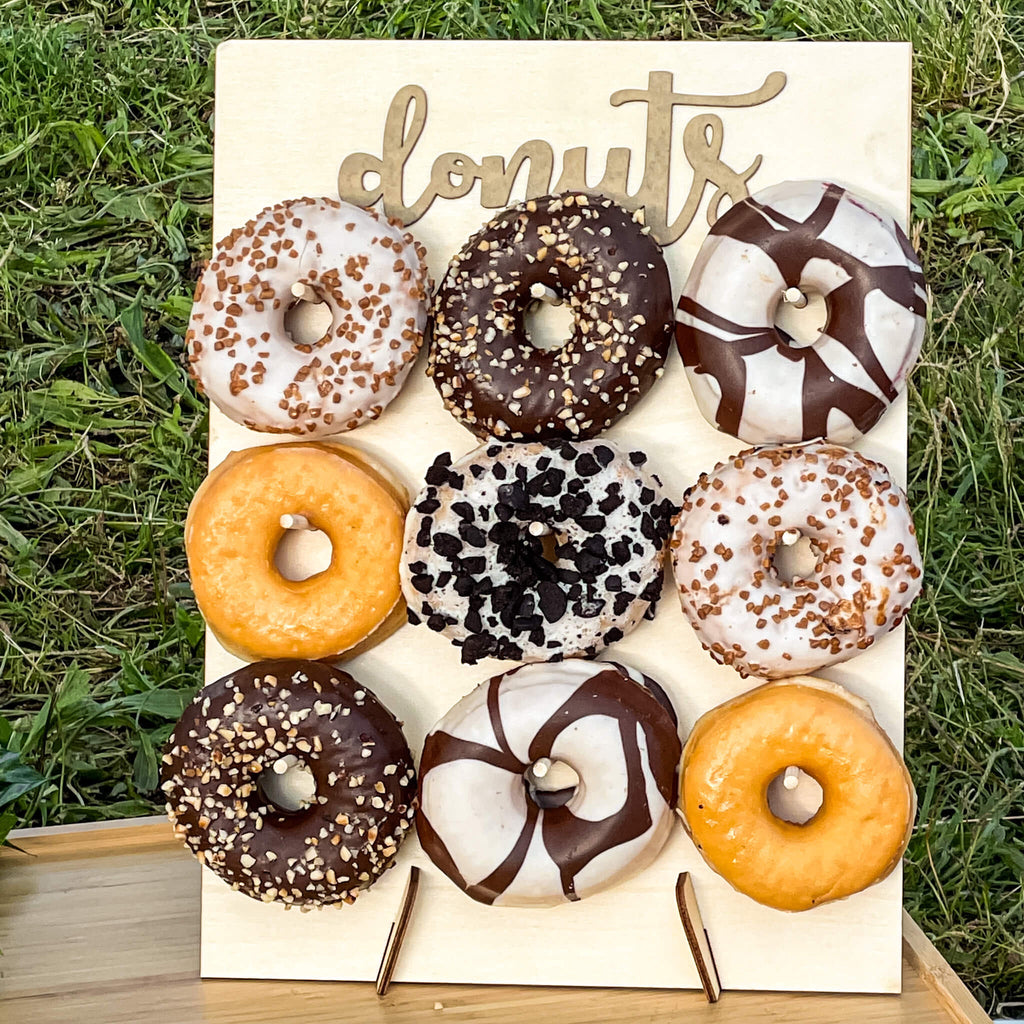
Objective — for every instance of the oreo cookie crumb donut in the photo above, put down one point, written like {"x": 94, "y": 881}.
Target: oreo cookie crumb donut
{"x": 550, "y": 783}
{"x": 259, "y": 721}
{"x": 734, "y": 521}
{"x": 474, "y": 565}
{"x": 372, "y": 278}
{"x": 598, "y": 258}
{"x": 748, "y": 377}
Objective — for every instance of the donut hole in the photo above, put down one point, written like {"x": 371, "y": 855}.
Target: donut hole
{"x": 801, "y": 326}
{"x": 548, "y": 538}
{"x": 548, "y": 322}
{"x": 306, "y": 322}
{"x": 551, "y": 784}
{"x": 799, "y": 804}
{"x": 795, "y": 557}
{"x": 288, "y": 784}
{"x": 302, "y": 552}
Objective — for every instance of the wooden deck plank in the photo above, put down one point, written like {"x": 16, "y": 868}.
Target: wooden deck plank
{"x": 103, "y": 924}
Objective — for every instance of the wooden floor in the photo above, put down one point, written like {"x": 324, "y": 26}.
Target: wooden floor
{"x": 102, "y": 926}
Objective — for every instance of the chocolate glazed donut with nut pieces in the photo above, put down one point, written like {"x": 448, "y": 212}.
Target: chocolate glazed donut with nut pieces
{"x": 587, "y": 251}
{"x": 791, "y": 241}
{"x": 259, "y": 721}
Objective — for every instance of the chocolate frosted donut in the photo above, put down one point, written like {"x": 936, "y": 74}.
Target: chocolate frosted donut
{"x": 549, "y": 783}
{"x": 587, "y": 251}
{"x": 733, "y": 521}
{"x": 475, "y": 567}
{"x": 748, "y": 377}
{"x": 259, "y": 721}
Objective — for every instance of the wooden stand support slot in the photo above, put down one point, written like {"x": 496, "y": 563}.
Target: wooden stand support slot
{"x": 697, "y": 937}
{"x": 389, "y": 961}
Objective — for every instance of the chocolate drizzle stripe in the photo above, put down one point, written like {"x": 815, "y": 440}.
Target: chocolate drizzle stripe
{"x": 494, "y": 712}
{"x": 504, "y": 874}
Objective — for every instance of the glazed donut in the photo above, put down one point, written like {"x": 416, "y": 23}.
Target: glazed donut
{"x": 371, "y": 277}
{"x": 585, "y": 250}
{"x": 233, "y": 529}
{"x": 748, "y": 378}
{"x": 857, "y": 836}
{"x": 245, "y": 727}
{"x": 474, "y": 565}
{"x": 729, "y": 530}
{"x": 549, "y": 783}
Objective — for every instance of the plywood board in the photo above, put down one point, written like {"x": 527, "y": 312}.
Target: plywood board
{"x": 287, "y": 116}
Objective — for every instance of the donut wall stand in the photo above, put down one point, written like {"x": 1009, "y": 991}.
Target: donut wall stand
{"x": 442, "y": 135}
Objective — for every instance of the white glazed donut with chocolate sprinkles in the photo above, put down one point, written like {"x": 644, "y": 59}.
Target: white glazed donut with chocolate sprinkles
{"x": 374, "y": 282}
{"x": 819, "y": 239}
{"x": 474, "y": 565}
{"x": 603, "y": 263}
{"x": 550, "y": 783}
{"x": 730, "y": 528}
{"x": 257, "y": 722}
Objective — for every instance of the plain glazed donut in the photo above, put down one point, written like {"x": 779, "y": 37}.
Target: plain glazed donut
{"x": 246, "y": 726}
{"x": 474, "y": 566}
{"x": 728, "y": 532}
{"x": 749, "y": 381}
{"x": 858, "y": 835}
{"x": 549, "y": 783}
{"x": 374, "y": 282}
{"x": 587, "y": 251}
{"x": 233, "y": 530}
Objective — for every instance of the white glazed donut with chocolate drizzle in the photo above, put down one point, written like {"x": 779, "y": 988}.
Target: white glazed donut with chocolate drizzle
{"x": 550, "y": 783}
{"x": 475, "y": 568}
{"x": 747, "y": 376}
{"x": 374, "y": 282}
{"x": 733, "y": 521}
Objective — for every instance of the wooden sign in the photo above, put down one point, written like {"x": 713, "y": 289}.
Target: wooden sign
{"x": 441, "y": 134}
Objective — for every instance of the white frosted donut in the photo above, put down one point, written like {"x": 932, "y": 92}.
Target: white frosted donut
{"x": 549, "y": 783}
{"x": 372, "y": 278}
{"x": 727, "y": 535}
{"x": 474, "y": 565}
{"x": 748, "y": 377}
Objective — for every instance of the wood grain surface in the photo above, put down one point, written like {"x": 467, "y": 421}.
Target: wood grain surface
{"x": 102, "y": 925}
{"x": 852, "y": 103}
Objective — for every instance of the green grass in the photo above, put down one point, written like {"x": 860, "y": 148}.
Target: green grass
{"x": 105, "y": 186}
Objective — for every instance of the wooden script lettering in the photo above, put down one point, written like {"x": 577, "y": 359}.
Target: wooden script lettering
{"x": 453, "y": 174}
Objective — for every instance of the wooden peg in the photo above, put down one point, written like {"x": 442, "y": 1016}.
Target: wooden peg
{"x": 305, "y": 293}
{"x": 697, "y": 937}
{"x": 396, "y": 935}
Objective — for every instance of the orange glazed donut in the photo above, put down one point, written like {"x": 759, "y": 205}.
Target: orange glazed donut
{"x": 857, "y": 836}
{"x": 233, "y": 530}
